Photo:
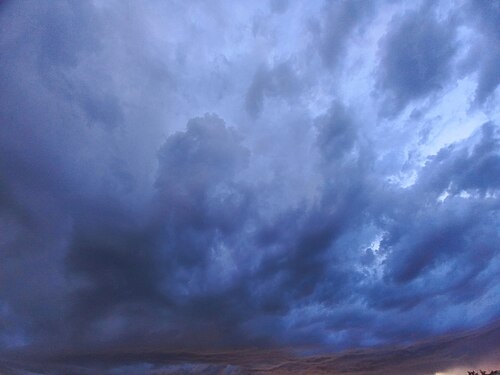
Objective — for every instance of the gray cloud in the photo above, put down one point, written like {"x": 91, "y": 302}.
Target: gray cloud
{"x": 416, "y": 56}
{"x": 483, "y": 17}
{"x": 341, "y": 19}
{"x": 336, "y": 132}
{"x": 284, "y": 217}
{"x": 279, "y": 81}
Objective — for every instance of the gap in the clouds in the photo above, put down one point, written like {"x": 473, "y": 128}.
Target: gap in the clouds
{"x": 460, "y": 122}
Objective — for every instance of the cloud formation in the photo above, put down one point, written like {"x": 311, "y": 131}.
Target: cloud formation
{"x": 226, "y": 177}
{"x": 416, "y": 57}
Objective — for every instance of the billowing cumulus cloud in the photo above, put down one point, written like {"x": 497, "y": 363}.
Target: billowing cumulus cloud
{"x": 262, "y": 182}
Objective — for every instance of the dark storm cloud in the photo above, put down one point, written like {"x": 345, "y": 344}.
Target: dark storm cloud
{"x": 160, "y": 267}
{"x": 441, "y": 249}
{"x": 484, "y": 18}
{"x": 65, "y": 34}
{"x": 339, "y": 21}
{"x": 416, "y": 57}
{"x": 119, "y": 272}
{"x": 336, "y": 132}
{"x": 201, "y": 202}
{"x": 473, "y": 169}
{"x": 199, "y": 159}
{"x": 129, "y": 218}
{"x": 53, "y": 169}
{"x": 279, "y": 81}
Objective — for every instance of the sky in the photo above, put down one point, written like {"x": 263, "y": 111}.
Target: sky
{"x": 289, "y": 182}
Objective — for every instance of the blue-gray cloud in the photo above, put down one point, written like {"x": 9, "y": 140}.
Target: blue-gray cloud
{"x": 340, "y": 20}
{"x": 416, "y": 56}
{"x": 485, "y": 18}
{"x": 280, "y": 81}
{"x": 203, "y": 186}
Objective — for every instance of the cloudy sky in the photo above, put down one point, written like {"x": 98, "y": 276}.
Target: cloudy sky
{"x": 301, "y": 178}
